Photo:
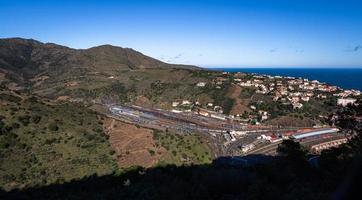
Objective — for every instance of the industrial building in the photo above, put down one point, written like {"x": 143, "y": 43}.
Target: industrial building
{"x": 313, "y": 133}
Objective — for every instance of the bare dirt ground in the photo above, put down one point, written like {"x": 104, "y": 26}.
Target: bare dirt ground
{"x": 240, "y": 105}
{"x": 133, "y": 146}
{"x": 63, "y": 98}
{"x": 143, "y": 101}
{"x": 13, "y": 86}
{"x": 2, "y": 76}
{"x": 39, "y": 80}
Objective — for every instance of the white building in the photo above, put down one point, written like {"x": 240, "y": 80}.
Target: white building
{"x": 305, "y": 98}
{"x": 246, "y": 148}
{"x": 216, "y": 116}
{"x": 175, "y": 104}
{"x": 246, "y": 84}
{"x": 264, "y": 115}
{"x": 238, "y": 133}
{"x": 297, "y": 105}
{"x": 186, "y": 102}
{"x": 345, "y": 102}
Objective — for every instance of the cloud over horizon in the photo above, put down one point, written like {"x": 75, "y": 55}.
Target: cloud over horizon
{"x": 357, "y": 48}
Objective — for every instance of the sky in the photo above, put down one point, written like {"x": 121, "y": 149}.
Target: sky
{"x": 209, "y": 33}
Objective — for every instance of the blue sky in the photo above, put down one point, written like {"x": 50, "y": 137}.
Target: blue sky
{"x": 249, "y": 33}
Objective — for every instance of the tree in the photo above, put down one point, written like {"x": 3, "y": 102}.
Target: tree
{"x": 25, "y": 120}
{"x": 292, "y": 150}
{"x": 53, "y": 127}
{"x": 36, "y": 119}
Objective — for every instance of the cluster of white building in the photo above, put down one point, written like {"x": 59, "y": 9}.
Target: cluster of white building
{"x": 186, "y": 106}
{"x": 287, "y": 90}
{"x": 346, "y": 101}
{"x": 346, "y": 97}
{"x": 297, "y": 90}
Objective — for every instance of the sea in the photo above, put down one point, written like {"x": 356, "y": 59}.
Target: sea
{"x": 346, "y": 78}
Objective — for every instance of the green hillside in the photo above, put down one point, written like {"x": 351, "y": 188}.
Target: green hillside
{"x": 42, "y": 143}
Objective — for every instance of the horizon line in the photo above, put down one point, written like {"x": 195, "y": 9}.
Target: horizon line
{"x": 282, "y": 67}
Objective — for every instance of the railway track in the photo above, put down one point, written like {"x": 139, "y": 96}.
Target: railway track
{"x": 267, "y": 149}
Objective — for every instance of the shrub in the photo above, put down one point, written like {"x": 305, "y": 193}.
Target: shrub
{"x": 50, "y": 141}
{"x": 152, "y": 152}
{"x": 53, "y": 127}
{"x": 25, "y": 120}
{"x": 15, "y": 125}
{"x": 2, "y": 127}
{"x": 35, "y": 119}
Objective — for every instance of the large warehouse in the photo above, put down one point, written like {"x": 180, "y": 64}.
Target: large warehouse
{"x": 317, "y": 132}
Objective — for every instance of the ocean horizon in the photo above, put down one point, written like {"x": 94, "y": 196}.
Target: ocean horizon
{"x": 346, "y": 78}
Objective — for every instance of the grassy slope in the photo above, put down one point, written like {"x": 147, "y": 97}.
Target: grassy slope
{"x": 42, "y": 144}
{"x": 183, "y": 149}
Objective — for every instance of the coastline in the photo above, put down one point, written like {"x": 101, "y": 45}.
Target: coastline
{"x": 346, "y": 78}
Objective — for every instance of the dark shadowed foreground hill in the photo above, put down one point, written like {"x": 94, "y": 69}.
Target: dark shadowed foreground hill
{"x": 279, "y": 180}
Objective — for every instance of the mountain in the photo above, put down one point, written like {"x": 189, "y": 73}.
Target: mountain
{"x": 48, "y": 126}
{"x": 55, "y": 71}
{"x": 24, "y": 59}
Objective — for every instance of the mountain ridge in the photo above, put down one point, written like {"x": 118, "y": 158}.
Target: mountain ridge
{"x": 29, "y": 58}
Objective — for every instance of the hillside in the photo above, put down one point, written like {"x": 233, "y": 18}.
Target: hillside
{"x": 109, "y": 74}
{"x": 338, "y": 176}
{"x": 26, "y": 59}
{"x": 56, "y": 71}
{"x": 43, "y": 143}
{"x": 56, "y": 129}
{"x": 45, "y": 89}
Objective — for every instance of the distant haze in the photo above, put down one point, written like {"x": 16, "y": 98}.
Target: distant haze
{"x": 248, "y": 33}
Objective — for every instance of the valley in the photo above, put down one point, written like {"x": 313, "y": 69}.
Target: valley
{"x": 72, "y": 113}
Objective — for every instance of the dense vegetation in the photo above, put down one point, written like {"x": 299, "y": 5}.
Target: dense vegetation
{"x": 43, "y": 143}
{"x": 184, "y": 149}
{"x": 115, "y": 91}
{"x": 219, "y": 96}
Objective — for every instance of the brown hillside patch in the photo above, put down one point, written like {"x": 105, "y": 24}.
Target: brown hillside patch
{"x": 204, "y": 99}
{"x": 143, "y": 101}
{"x": 63, "y": 98}
{"x": 2, "y": 76}
{"x": 71, "y": 84}
{"x": 240, "y": 105}
{"x": 133, "y": 146}
{"x": 13, "y": 86}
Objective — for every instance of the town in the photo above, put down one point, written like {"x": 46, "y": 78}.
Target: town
{"x": 284, "y": 90}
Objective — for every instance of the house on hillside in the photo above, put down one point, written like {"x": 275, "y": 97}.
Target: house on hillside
{"x": 346, "y": 101}
{"x": 201, "y": 84}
